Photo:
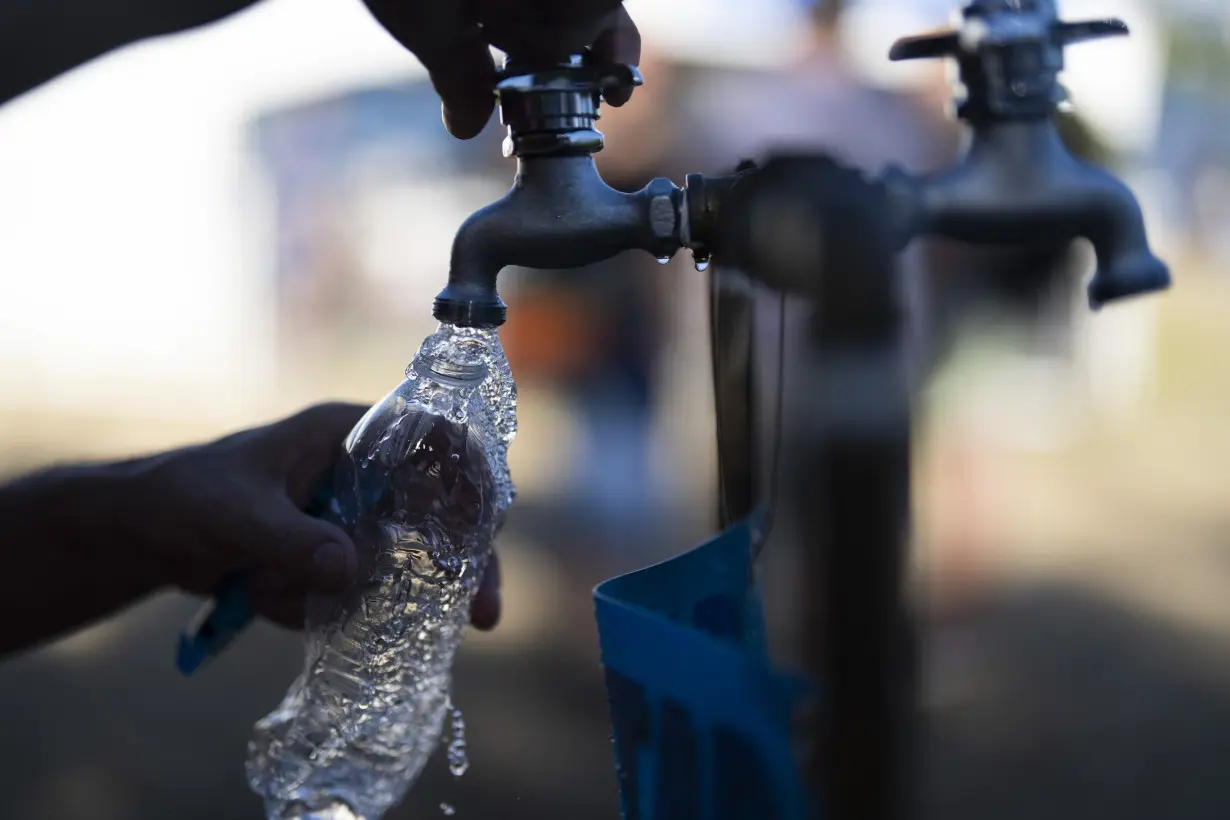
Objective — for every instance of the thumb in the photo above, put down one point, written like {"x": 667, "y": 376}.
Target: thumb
{"x": 449, "y": 42}
{"x": 464, "y": 77}
{"x": 301, "y": 450}
{"x": 307, "y": 551}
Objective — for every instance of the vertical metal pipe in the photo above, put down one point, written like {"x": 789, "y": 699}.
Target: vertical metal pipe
{"x": 852, "y": 492}
{"x": 807, "y": 226}
{"x": 851, "y": 497}
{"x": 732, "y": 310}
{"x": 819, "y": 230}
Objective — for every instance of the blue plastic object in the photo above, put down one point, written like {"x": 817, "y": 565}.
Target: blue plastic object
{"x": 230, "y": 612}
{"x": 702, "y": 722}
{"x": 215, "y": 626}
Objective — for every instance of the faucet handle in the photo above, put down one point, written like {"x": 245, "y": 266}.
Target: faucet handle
{"x": 576, "y": 75}
{"x": 550, "y": 109}
{"x": 970, "y": 38}
{"x": 1087, "y": 30}
{"x": 926, "y": 47}
{"x": 1010, "y": 54}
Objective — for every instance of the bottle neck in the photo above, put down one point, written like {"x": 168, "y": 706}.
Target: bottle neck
{"x": 455, "y": 357}
{"x": 457, "y": 373}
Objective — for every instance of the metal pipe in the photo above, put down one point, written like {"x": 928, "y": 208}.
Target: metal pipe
{"x": 807, "y": 226}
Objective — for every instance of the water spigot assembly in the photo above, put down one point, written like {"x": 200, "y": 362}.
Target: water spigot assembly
{"x": 560, "y": 213}
{"x": 1018, "y": 184}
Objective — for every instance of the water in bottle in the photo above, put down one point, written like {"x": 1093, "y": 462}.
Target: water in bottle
{"x": 422, "y": 487}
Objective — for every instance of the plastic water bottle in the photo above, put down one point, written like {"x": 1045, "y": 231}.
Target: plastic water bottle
{"x": 422, "y": 488}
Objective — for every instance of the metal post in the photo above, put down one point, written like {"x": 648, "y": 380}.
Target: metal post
{"x": 807, "y": 226}
{"x": 732, "y": 307}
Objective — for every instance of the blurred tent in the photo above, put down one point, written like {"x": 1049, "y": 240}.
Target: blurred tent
{"x": 1118, "y": 85}
{"x": 729, "y": 32}
{"x": 135, "y": 241}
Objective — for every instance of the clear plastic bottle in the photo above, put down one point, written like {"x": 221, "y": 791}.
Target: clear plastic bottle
{"x": 422, "y": 488}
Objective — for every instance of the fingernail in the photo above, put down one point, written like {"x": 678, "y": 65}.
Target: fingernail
{"x": 330, "y": 566}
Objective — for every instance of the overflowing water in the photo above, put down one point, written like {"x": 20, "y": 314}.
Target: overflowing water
{"x": 423, "y": 488}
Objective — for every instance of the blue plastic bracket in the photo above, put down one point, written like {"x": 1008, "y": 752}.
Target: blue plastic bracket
{"x": 702, "y": 723}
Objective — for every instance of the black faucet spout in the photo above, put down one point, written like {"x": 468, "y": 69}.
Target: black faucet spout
{"x": 1018, "y": 184}
{"x": 559, "y": 214}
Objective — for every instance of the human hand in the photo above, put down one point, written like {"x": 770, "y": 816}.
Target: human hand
{"x": 236, "y": 506}
{"x": 452, "y": 39}
{"x": 40, "y": 41}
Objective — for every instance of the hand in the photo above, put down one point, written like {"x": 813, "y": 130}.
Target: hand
{"x": 452, "y": 38}
{"x": 39, "y": 41}
{"x": 236, "y": 505}
{"x": 42, "y": 39}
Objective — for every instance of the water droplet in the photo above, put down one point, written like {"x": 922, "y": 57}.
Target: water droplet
{"x": 458, "y": 759}
{"x": 702, "y": 265}
{"x": 447, "y": 809}
{"x": 664, "y": 260}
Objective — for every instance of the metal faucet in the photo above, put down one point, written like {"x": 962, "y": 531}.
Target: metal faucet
{"x": 560, "y": 213}
{"x": 1018, "y": 184}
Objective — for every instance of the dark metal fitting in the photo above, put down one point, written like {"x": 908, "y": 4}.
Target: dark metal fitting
{"x": 704, "y": 196}
{"x": 550, "y": 110}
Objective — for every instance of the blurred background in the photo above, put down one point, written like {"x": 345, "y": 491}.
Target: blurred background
{"x": 209, "y": 231}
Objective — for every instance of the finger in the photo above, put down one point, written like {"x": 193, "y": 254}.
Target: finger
{"x": 284, "y": 610}
{"x": 266, "y": 582}
{"x": 465, "y": 81}
{"x": 302, "y": 450}
{"x": 448, "y": 41}
{"x": 304, "y": 552}
{"x": 485, "y": 611}
{"x": 620, "y": 42}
